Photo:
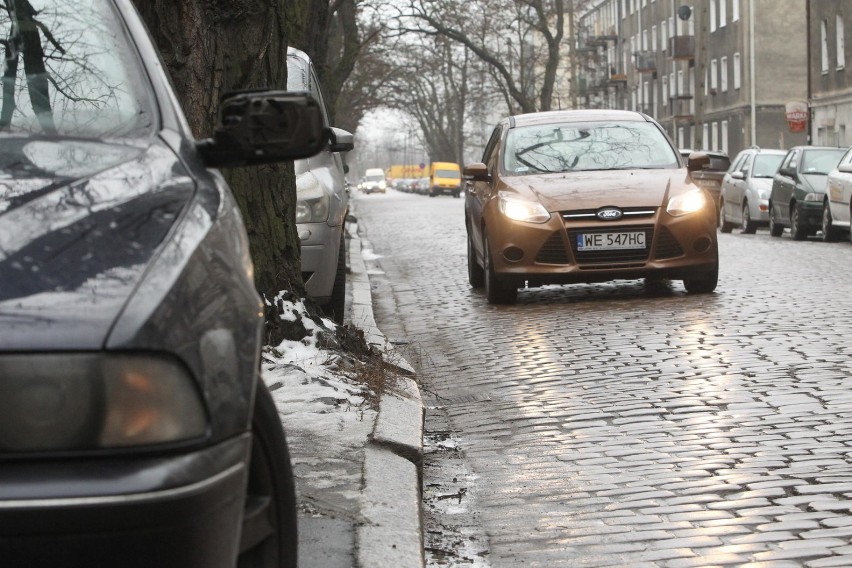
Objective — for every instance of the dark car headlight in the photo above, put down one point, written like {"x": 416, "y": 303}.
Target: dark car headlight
{"x": 815, "y": 197}
{"x": 61, "y": 402}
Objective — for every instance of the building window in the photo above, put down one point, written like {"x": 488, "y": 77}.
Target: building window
{"x": 714, "y": 134}
{"x": 713, "y": 15}
{"x": 680, "y": 90}
{"x": 671, "y": 26}
{"x": 665, "y": 90}
{"x": 663, "y": 38}
{"x": 653, "y": 38}
{"x": 724, "y": 141}
{"x": 724, "y": 71}
{"x": 680, "y": 137}
{"x": 738, "y": 70}
{"x": 644, "y": 40}
{"x": 705, "y": 138}
{"x": 824, "y": 45}
{"x": 735, "y": 10}
{"x": 841, "y": 42}
{"x": 714, "y": 73}
{"x": 723, "y": 13}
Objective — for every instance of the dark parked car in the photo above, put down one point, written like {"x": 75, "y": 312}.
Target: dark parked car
{"x": 586, "y": 196}
{"x": 134, "y": 428}
{"x": 798, "y": 190}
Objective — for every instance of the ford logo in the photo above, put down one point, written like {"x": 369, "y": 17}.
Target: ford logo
{"x": 609, "y": 214}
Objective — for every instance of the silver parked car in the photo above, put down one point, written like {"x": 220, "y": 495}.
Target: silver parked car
{"x": 322, "y": 201}
{"x": 837, "y": 207}
{"x": 744, "y": 199}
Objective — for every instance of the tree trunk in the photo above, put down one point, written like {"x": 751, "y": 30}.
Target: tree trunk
{"x": 214, "y": 46}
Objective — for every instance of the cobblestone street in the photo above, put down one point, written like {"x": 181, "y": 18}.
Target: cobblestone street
{"x": 620, "y": 424}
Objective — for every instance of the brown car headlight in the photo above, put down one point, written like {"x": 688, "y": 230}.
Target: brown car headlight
{"x": 687, "y": 202}
{"x": 62, "y": 402}
{"x": 522, "y": 210}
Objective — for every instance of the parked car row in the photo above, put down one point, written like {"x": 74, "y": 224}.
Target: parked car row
{"x": 806, "y": 189}
{"x": 412, "y": 185}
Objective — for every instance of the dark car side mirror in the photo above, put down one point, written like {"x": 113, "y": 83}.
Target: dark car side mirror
{"x": 260, "y": 127}
{"x": 477, "y": 172}
{"x": 697, "y": 161}
{"x": 789, "y": 172}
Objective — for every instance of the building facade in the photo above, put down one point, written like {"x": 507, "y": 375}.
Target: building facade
{"x": 831, "y": 87}
{"x": 717, "y": 74}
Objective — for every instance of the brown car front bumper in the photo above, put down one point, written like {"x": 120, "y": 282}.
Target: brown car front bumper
{"x": 533, "y": 254}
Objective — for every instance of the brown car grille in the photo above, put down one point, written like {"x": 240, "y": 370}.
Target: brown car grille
{"x": 611, "y": 256}
{"x": 553, "y": 251}
{"x": 627, "y": 213}
{"x": 667, "y": 245}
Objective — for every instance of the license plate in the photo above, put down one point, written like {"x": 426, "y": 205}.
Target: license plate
{"x": 610, "y": 241}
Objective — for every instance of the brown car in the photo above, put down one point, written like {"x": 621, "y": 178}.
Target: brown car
{"x": 586, "y": 196}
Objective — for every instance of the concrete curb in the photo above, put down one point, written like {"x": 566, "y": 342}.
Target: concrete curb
{"x": 392, "y": 534}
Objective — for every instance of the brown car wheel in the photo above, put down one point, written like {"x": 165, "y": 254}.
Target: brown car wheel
{"x": 475, "y": 274}
{"x": 495, "y": 291}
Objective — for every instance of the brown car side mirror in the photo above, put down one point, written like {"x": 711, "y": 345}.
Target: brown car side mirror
{"x": 477, "y": 172}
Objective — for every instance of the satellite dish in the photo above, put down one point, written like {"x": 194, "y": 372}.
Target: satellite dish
{"x": 684, "y": 12}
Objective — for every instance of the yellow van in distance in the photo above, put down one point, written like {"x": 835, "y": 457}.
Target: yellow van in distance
{"x": 445, "y": 178}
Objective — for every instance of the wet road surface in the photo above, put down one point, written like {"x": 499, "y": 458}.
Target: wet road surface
{"x": 617, "y": 424}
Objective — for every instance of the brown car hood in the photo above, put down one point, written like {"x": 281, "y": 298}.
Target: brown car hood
{"x": 593, "y": 189}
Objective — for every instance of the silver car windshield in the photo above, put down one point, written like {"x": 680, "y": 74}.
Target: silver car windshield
{"x": 69, "y": 70}
{"x": 586, "y": 146}
{"x": 765, "y": 165}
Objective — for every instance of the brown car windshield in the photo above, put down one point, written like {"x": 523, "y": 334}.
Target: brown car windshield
{"x": 586, "y": 146}
{"x": 70, "y": 71}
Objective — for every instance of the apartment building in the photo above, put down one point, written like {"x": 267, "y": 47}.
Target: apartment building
{"x": 717, "y": 74}
{"x": 831, "y": 86}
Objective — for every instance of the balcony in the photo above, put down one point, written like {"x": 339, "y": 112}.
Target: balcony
{"x": 618, "y": 79}
{"x": 682, "y": 47}
{"x": 646, "y": 61}
{"x": 681, "y": 108}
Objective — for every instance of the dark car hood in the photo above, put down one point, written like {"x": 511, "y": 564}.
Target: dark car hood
{"x": 79, "y": 223}
{"x": 594, "y": 189}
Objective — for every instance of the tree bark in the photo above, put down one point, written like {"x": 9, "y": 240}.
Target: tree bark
{"x": 214, "y": 46}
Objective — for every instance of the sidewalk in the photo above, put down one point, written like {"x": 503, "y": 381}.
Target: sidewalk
{"x": 357, "y": 470}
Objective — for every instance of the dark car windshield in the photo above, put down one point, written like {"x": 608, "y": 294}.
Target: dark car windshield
{"x": 449, "y": 174}
{"x": 765, "y": 165}
{"x": 586, "y": 146}
{"x": 821, "y": 161}
{"x": 375, "y": 178}
{"x": 69, "y": 70}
